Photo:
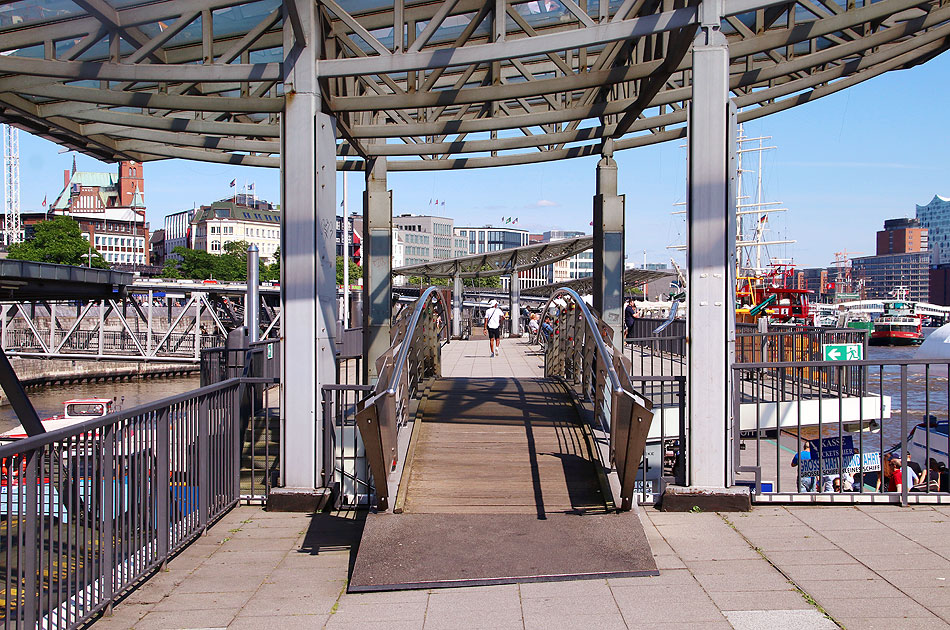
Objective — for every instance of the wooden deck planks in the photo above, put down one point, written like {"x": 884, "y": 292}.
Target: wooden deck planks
{"x": 501, "y": 446}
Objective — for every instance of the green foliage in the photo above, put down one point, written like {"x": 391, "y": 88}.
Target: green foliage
{"x": 356, "y": 272}
{"x": 58, "y": 241}
{"x": 231, "y": 266}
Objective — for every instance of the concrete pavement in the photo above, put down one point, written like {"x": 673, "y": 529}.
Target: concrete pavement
{"x": 776, "y": 567}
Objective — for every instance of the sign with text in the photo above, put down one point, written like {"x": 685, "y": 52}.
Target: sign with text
{"x": 842, "y": 351}
{"x": 839, "y": 452}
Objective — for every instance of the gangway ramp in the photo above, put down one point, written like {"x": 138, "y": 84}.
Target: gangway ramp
{"x": 502, "y": 446}
{"x": 503, "y": 478}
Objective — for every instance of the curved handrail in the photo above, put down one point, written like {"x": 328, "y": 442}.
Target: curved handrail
{"x": 592, "y": 322}
{"x": 410, "y": 331}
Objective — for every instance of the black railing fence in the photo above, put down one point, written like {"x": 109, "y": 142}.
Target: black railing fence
{"x": 90, "y": 509}
{"x": 824, "y": 443}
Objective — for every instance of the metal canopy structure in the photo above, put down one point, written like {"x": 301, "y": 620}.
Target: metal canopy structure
{"x": 501, "y": 262}
{"x": 429, "y": 84}
{"x": 24, "y": 280}
{"x": 585, "y": 286}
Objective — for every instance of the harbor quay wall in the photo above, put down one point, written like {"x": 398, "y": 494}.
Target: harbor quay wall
{"x": 41, "y": 372}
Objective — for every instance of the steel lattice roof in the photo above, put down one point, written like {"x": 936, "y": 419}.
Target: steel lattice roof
{"x": 464, "y": 84}
{"x": 585, "y": 286}
{"x": 501, "y": 262}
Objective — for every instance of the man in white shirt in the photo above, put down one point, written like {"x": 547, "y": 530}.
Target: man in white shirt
{"x": 493, "y": 317}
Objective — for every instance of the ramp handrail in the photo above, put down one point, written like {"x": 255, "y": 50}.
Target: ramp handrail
{"x": 579, "y": 354}
{"x": 413, "y": 357}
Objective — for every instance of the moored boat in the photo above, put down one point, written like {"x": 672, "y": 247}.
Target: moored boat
{"x": 899, "y": 326}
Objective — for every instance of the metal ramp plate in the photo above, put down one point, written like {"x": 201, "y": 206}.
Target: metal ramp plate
{"x": 416, "y": 551}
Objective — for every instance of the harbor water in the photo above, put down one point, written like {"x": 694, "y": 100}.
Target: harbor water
{"x": 49, "y": 400}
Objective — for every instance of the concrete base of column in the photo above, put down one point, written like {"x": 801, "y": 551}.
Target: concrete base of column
{"x": 298, "y": 499}
{"x": 690, "y": 499}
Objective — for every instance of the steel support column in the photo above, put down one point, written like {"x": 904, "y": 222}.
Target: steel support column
{"x": 308, "y": 253}
{"x": 457, "y": 295}
{"x": 608, "y": 244}
{"x": 514, "y": 303}
{"x": 252, "y": 306}
{"x": 710, "y": 257}
{"x": 377, "y": 267}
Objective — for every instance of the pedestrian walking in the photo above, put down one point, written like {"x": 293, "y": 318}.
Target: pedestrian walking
{"x": 493, "y": 317}
{"x": 629, "y": 317}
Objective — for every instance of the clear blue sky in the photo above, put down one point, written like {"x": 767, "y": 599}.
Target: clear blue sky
{"x": 844, "y": 164}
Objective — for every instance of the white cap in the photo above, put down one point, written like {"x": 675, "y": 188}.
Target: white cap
{"x": 493, "y": 303}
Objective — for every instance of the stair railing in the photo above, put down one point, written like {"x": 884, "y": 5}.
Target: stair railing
{"x": 410, "y": 362}
{"x": 580, "y": 353}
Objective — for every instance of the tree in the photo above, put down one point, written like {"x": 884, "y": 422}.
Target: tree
{"x": 356, "y": 272}
{"x": 58, "y": 241}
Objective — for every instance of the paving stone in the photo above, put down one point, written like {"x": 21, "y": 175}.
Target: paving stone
{"x": 570, "y": 605}
{"x": 399, "y": 611}
{"x": 124, "y": 615}
{"x": 779, "y": 620}
{"x": 283, "y": 622}
{"x": 744, "y": 583}
{"x": 274, "y": 606}
{"x": 185, "y": 619}
{"x": 931, "y": 598}
{"x": 214, "y": 580}
{"x": 871, "y": 606}
{"x": 878, "y": 587}
{"x": 891, "y": 623}
{"x": 902, "y": 578}
{"x": 809, "y": 557}
{"x": 546, "y": 620}
{"x": 837, "y": 572}
{"x": 759, "y": 600}
{"x": 898, "y": 561}
{"x": 302, "y": 588}
{"x": 752, "y": 566}
{"x": 204, "y": 601}
{"x": 576, "y": 588}
{"x": 671, "y": 576}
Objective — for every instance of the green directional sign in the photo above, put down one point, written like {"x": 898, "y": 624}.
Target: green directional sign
{"x": 842, "y": 351}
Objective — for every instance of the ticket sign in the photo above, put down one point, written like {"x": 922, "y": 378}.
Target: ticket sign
{"x": 837, "y": 452}
{"x": 842, "y": 351}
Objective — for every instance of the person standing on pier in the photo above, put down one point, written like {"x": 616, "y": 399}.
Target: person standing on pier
{"x": 629, "y": 317}
{"x": 493, "y": 317}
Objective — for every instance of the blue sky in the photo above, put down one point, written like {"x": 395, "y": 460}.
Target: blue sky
{"x": 844, "y": 164}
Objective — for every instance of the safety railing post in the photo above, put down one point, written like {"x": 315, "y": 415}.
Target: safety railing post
{"x": 162, "y": 482}
{"x": 204, "y": 490}
{"x": 30, "y": 541}
{"x": 110, "y": 481}
{"x": 904, "y": 468}
{"x": 239, "y": 394}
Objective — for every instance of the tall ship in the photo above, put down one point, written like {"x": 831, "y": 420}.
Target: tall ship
{"x": 900, "y": 325}
{"x": 765, "y": 285}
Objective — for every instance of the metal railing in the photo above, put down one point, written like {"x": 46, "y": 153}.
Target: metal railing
{"x": 110, "y": 343}
{"x": 599, "y": 377}
{"x": 90, "y": 509}
{"x": 413, "y": 359}
{"x": 346, "y": 470}
{"x": 825, "y": 444}
{"x": 664, "y": 458}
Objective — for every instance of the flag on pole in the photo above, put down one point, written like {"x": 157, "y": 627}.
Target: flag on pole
{"x": 341, "y": 203}
{"x": 443, "y": 203}
{"x": 250, "y": 186}
{"x": 763, "y": 219}
{"x": 515, "y": 221}
{"x": 44, "y": 201}
{"x": 436, "y": 202}
{"x": 233, "y": 182}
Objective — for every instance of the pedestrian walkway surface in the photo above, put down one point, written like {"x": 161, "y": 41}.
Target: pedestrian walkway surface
{"x": 501, "y": 485}
{"x": 773, "y": 568}
{"x": 796, "y": 568}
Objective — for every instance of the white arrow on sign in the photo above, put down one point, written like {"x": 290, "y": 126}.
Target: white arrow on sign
{"x": 835, "y": 354}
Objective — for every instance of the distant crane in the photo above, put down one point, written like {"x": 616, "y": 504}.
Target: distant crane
{"x": 11, "y": 185}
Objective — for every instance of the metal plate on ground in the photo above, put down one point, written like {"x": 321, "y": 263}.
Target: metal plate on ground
{"x": 416, "y": 551}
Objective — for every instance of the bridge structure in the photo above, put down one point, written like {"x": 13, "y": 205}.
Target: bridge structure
{"x": 140, "y": 321}
{"x": 316, "y": 86}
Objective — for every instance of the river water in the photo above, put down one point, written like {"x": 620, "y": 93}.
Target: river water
{"x": 49, "y": 400}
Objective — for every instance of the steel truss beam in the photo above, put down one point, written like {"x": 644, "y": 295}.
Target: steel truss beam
{"x": 483, "y": 83}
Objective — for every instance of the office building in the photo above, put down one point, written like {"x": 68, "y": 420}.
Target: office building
{"x": 225, "y": 221}
{"x": 901, "y": 236}
{"x": 110, "y": 210}
{"x": 356, "y": 237}
{"x": 881, "y": 275}
{"x": 486, "y": 238}
{"x": 426, "y": 238}
{"x": 178, "y": 232}
{"x": 935, "y": 217}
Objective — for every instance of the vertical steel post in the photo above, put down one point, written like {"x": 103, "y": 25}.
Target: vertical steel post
{"x": 710, "y": 257}
{"x": 163, "y": 446}
{"x": 457, "y": 296}
{"x": 377, "y": 267}
{"x": 252, "y": 305}
{"x": 514, "y": 302}
{"x": 204, "y": 463}
{"x": 148, "y": 339}
{"x": 608, "y": 244}
{"x": 197, "y": 333}
{"x": 308, "y": 252}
